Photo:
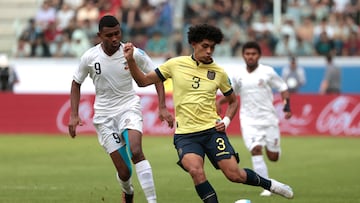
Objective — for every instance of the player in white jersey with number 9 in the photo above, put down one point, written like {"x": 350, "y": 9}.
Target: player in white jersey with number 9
{"x": 118, "y": 117}
{"x": 259, "y": 120}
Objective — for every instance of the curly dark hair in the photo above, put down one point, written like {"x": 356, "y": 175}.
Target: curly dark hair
{"x": 198, "y": 33}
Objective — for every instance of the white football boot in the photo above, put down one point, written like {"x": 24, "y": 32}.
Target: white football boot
{"x": 281, "y": 189}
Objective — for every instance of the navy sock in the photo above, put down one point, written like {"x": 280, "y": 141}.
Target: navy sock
{"x": 206, "y": 192}
{"x": 256, "y": 180}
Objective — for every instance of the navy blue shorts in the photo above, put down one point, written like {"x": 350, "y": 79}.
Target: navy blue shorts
{"x": 214, "y": 144}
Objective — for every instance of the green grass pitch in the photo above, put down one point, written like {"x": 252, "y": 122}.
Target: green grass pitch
{"x": 58, "y": 169}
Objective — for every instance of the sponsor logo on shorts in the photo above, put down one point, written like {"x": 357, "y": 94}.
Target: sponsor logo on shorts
{"x": 222, "y": 153}
{"x": 180, "y": 151}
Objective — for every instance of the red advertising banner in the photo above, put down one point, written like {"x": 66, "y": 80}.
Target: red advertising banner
{"x": 325, "y": 115}
{"x": 312, "y": 115}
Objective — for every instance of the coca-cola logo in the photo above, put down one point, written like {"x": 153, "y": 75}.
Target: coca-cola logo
{"x": 340, "y": 116}
{"x": 86, "y": 113}
{"x": 298, "y": 123}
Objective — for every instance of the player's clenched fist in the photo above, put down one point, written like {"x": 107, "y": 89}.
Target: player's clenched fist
{"x": 128, "y": 51}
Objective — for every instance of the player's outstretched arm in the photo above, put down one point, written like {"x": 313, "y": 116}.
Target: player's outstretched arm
{"x": 140, "y": 78}
{"x": 230, "y": 112}
{"x": 219, "y": 102}
{"x": 233, "y": 106}
{"x": 74, "y": 115}
{"x": 164, "y": 114}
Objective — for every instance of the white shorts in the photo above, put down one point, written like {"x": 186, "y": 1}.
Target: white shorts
{"x": 268, "y": 136}
{"x": 109, "y": 128}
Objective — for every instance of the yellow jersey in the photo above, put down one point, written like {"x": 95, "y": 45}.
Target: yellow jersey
{"x": 195, "y": 86}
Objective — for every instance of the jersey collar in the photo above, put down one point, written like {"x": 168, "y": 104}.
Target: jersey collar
{"x": 198, "y": 63}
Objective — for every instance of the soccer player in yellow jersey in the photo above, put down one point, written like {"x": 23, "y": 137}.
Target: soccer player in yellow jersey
{"x": 199, "y": 129}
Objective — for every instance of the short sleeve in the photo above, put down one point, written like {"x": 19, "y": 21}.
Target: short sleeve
{"x": 165, "y": 69}
{"x": 82, "y": 70}
{"x": 225, "y": 84}
{"x": 143, "y": 60}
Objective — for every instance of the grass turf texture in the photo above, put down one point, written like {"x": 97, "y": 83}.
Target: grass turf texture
{"x": 42, "y": 169}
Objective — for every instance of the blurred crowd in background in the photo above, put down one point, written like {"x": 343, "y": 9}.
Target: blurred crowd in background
{"x": 67, "y": 28}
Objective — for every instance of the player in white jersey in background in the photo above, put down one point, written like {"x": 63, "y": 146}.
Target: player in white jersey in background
{"x": 118, "y": 117}
{"x": 258, "y": 118}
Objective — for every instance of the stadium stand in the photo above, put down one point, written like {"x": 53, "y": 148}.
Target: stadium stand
{"x": 338, "y": 20}
{"x": 13, "y": 15}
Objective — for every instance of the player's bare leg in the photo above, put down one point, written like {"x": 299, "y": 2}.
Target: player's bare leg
{"x": 122, "y": 164}
{"x": 142, "y": 166}
{"x": 194, "y": 165}
{"x": 272, "y": 156}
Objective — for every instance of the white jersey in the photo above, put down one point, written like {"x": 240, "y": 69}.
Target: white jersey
{"x": 256, "y": 96}
{"x": 112, "y": 79}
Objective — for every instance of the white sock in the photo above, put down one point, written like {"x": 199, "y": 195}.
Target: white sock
{"x": 259, "y": 166}
{"x": 126, "y": 186}
{"x": 145, "y": 177}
